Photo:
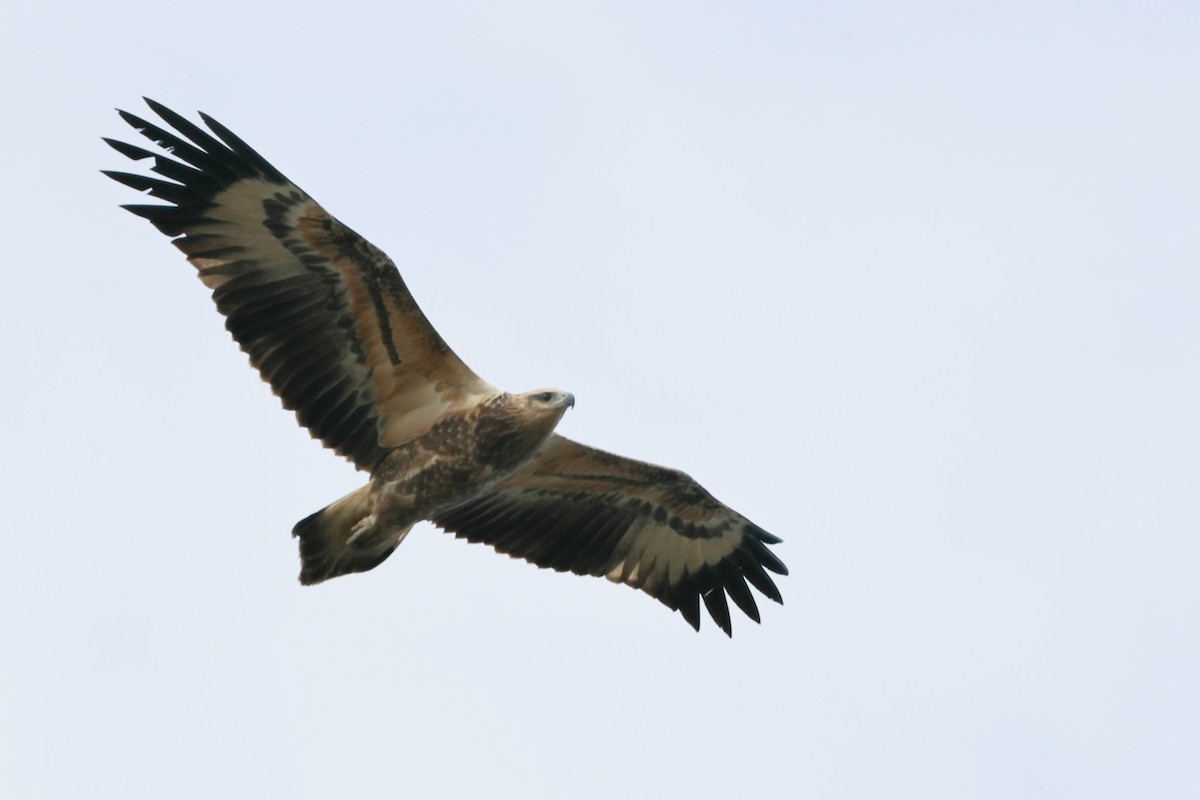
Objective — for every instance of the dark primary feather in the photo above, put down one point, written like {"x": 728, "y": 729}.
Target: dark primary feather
{"x": 578, "y": 509}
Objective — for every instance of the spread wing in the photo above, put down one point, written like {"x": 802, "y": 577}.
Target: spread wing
{"x": 578, "y": 509}
{"x": 323, "y": 314}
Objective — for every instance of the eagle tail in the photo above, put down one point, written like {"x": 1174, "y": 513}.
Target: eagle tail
{"x": 343, "y": 538}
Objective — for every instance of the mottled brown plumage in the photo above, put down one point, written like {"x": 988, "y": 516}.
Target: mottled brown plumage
{"x": 327, "y": 320}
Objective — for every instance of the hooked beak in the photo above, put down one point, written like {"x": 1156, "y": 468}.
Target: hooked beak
{"x": 568, "y": 400}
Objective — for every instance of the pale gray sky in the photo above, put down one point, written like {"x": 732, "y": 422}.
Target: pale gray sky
{"x": 912, "y": 285}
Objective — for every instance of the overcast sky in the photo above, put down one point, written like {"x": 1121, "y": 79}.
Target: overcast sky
{"x": 913, "y": 286}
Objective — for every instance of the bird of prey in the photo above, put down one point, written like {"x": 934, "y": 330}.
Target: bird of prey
{"x": 329, "y": 323}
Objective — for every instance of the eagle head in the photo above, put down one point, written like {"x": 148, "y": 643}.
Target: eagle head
{"x": 551, "y": 399}
{"x": 513, "y": 426}
{"x": 539, "y": 411}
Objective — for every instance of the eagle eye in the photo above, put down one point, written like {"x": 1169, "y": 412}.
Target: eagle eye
{"x": 546, "y": 397}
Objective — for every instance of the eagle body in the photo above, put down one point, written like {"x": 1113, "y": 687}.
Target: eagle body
{"x": 328, "y": 322}
{"x": 453, "y": 461}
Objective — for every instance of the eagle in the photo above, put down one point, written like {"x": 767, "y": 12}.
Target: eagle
{"x": 328, "y": 322}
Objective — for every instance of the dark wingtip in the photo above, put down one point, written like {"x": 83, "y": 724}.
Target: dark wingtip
{"x": 735, "y": 586}
{"x": 758, "y": 541}
{"x": 687, "y": 593}
{"x": 770, "y": 560}
{"x": 761, "y": 535}
{"x": 158, "y": 108}
{"x": 143, "y": 183}
{"x": 718, "y": 609}
{"x": 757, "y": 576}
{"x": 133, "y": 119}
{"x": 245, "y": 151}
{"x": 128, "y": 150}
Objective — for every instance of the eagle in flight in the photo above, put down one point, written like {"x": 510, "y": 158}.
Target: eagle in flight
{"x": 327, "y": 320}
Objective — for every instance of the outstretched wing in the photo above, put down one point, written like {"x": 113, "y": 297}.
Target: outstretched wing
{"x": 323, "y": 314}
{"x": 575, "y": 508}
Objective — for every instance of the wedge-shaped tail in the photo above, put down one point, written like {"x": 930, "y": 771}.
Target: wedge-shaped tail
{"x": 343, "y": 538}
